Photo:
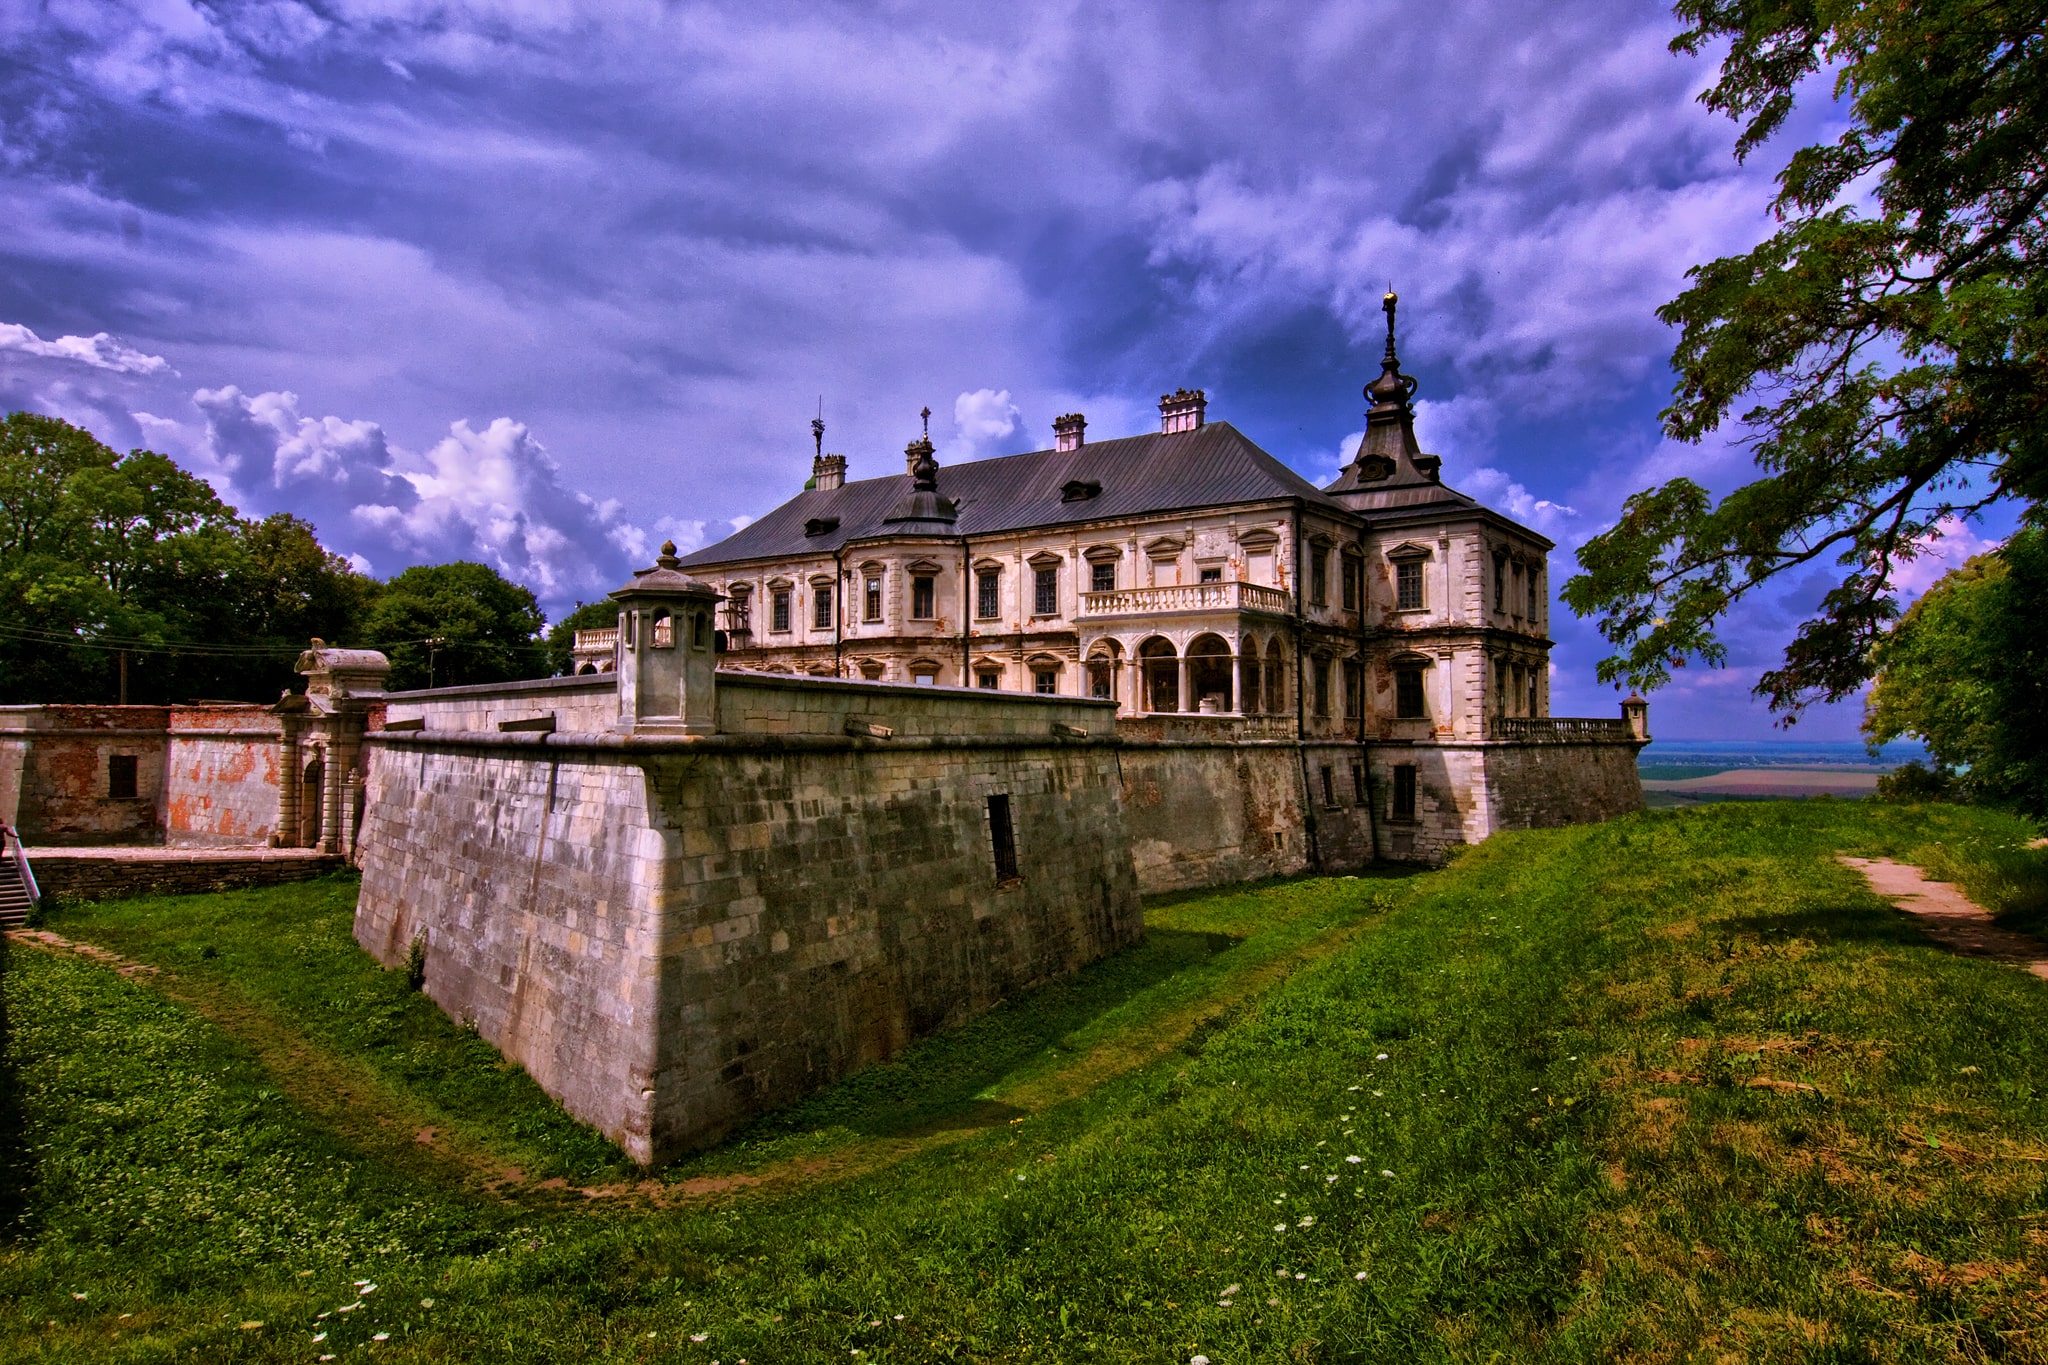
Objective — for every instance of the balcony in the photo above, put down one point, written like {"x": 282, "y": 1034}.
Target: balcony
{"x": 1558, "y": 730}
{"x": 603, "y": 640}
{"x": 1186, "y": 597}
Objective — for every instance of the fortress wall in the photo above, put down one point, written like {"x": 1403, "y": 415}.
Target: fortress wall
{"x": 1538, "y": 786}
{"x": 673, "y": 936}
{"x": 585, "y": 704}
{"x": 221, "y": 775}
{"x": 534, "y": 879}
{"x": 1203, "y": 814}
{"x": 1451, "y": 803}
{"x": 782, "y": 704}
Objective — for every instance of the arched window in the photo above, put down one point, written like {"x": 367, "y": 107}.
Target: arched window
{"x": 1248, "y": 677}
{"x": 1209, "y": 671}
{"x": 1161, "y": 668}
{"x": 1102, "y": 670}
{"x": 1276, "y": 678}
{"x": 664, "y": 636}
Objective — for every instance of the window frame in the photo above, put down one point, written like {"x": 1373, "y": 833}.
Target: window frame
{"x": 988, "y": 594}
{"x": 779, "y": 613}
{"x": 1099, "y": 570}
{"x": 924, "y": 597}
{"x": 1403, "y": 801}
{"x": 1045, "y": 590}
{"x": 1408, "y": 684}
{"x": 821, "y": 606}
{"x": 871, "y": 597}
{"x": 1408, "y": 574}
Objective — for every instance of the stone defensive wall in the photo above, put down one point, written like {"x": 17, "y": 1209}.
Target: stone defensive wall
{"x": 674, "y": 932}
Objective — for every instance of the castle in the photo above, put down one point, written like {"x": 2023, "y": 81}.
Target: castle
{"x": 895, "y": 752}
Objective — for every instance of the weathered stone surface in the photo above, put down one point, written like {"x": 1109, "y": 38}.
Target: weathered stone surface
{"x": 82, "y": 874}
{"x": 672, "y": 936}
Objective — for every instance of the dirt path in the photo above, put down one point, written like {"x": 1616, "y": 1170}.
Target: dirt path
{"x": 1948, "y": 916}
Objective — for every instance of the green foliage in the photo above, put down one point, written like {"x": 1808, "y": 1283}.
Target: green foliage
{"x": 447, "y": 624}
{"x": 1915, "y": 782}
{"x": 1891, "y": 356}
{"x": 110, "y": 562}
{"x": 1677, "y": 1086}
{"x": 1964, "y": 672}
{"x": 562, "y": 634}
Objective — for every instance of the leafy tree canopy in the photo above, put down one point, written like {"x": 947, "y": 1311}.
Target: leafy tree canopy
{"x": 446, "y": 624}
{"x": 1966, "y": 671}
{"x": 1884, "y": 346}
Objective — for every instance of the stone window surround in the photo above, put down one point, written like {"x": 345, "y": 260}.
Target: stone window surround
{"x": 1411, "y": 556}
{"x": 1045, "y": 583}
{"x": 988, "y": 589}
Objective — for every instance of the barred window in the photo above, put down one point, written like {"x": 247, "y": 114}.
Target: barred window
{"x": 988, "y": 597}
{"x": 1404, "y": 791}
{"x": 1408, "y": 585}
{"x": 778, "y": 616}
{"x": 1102, "y": 577}
{"x": 1408, "y": 702}
{"x": 873, "y": 604}
{"x": 821, "y": 606}
{"x": 1045, "y": 591}
{"x": 923, "y": 606}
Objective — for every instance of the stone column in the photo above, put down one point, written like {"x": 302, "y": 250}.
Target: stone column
{"x": 287, "y": 833}
{"x": 1184, "y": 702}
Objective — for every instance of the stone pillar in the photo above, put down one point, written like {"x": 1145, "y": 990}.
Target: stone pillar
{"x": 1184, "y": 702}
{"x": 286, "y": 835}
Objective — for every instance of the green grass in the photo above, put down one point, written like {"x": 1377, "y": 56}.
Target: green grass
{"x": 1672, "y": 1088}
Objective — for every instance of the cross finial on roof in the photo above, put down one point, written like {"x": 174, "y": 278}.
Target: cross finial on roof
{"x": 927, "y": 416}
{"x": 818, "y": 426}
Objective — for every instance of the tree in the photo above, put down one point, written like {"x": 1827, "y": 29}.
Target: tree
{"x": 1966, "y": 672}
{"x": 127, "y": 578}
{"x": 562, "y": 634}
{"x": 1888, "y": 338}
{"x": 444, "y": 624}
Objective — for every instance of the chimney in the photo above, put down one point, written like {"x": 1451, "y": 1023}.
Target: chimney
{"x": 828, "y": 472}
{"x": 1069, "y": 432}
{"x": 1182, "y": 410}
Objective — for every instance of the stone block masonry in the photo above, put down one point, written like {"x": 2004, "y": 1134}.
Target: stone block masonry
{"x": 673, "y": 935}
{"x": 91, "y": 874}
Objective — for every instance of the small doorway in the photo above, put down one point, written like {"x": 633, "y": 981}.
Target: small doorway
{"x": 312, "y": 785}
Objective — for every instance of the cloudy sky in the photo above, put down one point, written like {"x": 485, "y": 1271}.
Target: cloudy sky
{"x": 540, "y": 283}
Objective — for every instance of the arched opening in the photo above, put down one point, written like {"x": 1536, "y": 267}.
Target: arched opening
{"x": 664, "y": 629}
{"x": 1102, "y": 670}
{"x": 1209, "y": 673}
{"x": 311, "y": 799}
{"x": 1161, "y": 670}
{"x": 1249, "y": 698}
{"x": 1276, "y": 678}
{"x": 587, "y": 668}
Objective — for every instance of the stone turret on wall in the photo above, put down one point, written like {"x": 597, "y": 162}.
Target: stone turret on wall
{"x": 667, "y": 658}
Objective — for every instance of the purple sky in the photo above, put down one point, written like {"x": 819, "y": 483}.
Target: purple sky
{"x": 542, "y": 282}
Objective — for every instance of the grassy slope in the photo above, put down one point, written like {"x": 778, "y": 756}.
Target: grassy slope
{"x": 1673, "y": 1087}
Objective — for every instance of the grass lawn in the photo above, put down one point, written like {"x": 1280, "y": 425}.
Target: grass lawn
{"x": 1672, "y": 1088}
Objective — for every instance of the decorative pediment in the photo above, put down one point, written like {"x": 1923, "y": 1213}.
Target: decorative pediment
{"x": 1257, "y": 540}
{"x": 923, "y": 566}
{"x": 872, "y": 566}
{"x": 821, "y": 580}
{"x": 781, "y": 582}
{"x": 1410, "y": 549}
{"x": 986, "y": 564}
{"x": 1044, "y": 559}
{"x": 1410, "y": 659}
{"x": 1102, "y": 554}
{"x": 1045, "y": 661}
{"x": 1166, "y": 547}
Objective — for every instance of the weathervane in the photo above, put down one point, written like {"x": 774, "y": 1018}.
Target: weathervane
{"x": 818, "y": 427}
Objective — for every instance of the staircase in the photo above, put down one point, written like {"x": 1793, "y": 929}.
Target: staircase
{"x": 18, "y": 892}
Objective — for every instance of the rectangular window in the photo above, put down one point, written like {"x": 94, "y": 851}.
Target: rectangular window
{"x": 1322, "y": 667}
{"x": 1002, "y": 837}
{"x": 872, "y": 606}
{"x": 1045, "y": 591}
{"x": 1357, "y": 783}
{"x": 1329, "y": 787}
{"x": 778, "y": 616}
{"x": 924, "y": 680}
{"x": 1098, "y": 681}
{"x": 923, "y": 607}
{"x": 821, "y": 606}
{"x": 1350, "y": 583}
{"x": 1404, "y": 791}
{"x": 1045, "y": 682}
{"x": 1500, "y": 583}
{"x": 1517, "y": 570}
{"x": 1102, "y": 577}
{"x": 1212, "y": 575}
{"x": 1354, "y": 690}
{"x": 989, "y": 679}
{"x": 1408, "y": 703}
{"x": 121, "y": 777}
{"x": 1532, "y": 692}
{"x": 1319, "y": 576}
{"x": 1408, "y": 585}
{"x": 1532, "y": 595}
{"x": 988, "y": 594}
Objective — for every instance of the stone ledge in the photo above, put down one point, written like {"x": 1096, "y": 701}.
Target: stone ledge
{"x": 112, "y": 873}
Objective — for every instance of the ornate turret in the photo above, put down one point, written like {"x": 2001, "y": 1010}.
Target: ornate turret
{"x": 1389, "y": 454}
{"x": 922, "y": 504}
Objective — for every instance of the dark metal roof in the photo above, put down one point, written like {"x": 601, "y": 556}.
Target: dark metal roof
{"x": 1212, "y": 466}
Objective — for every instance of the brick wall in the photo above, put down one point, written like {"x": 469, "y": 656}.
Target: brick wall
{"x": 82, "y": 876}
{"x": 54, "y": 773}
{"x": 221, "y": 777}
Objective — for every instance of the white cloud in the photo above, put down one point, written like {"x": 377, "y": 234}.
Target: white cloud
{"x": 1954, "y": 542}
{"x": 1499, "y": 491}
{"x": 982, "y": 421}
{"x": 100, "y": 350}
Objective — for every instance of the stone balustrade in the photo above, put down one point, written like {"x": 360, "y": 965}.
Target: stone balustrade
{"x": 1559, "y": 729}
{"x": 1187, "y": 597}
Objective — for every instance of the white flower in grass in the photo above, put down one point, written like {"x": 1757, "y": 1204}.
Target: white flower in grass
{"x": 1228, "y": 1292}
{"x": 1388, "y": 1174}
{"x": 320, "y": 1338}
{"x": 1354, "y": 1160}
{"x": 700, "y": 1336}
{"x": 1301, "y": 1274}
{"x": 1308, "y": 1222}
{"x": 381, "y": 1336}
{"x": 366, "y": 1288}
{"x": 1280, "y": 1274}
{"x": 1359, "y": 1276}
{"x": 1329, "y": 1180}
{"x": 426, "y": 1303}
{"x": 1198, "y": 1360}
{"x": 1381, "y": 1058}
{"x": 1279, "y": 1227}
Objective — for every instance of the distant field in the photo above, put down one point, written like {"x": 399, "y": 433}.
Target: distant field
{"x": 1769, "y": 782}
{"x": 1677, "y": 1087}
